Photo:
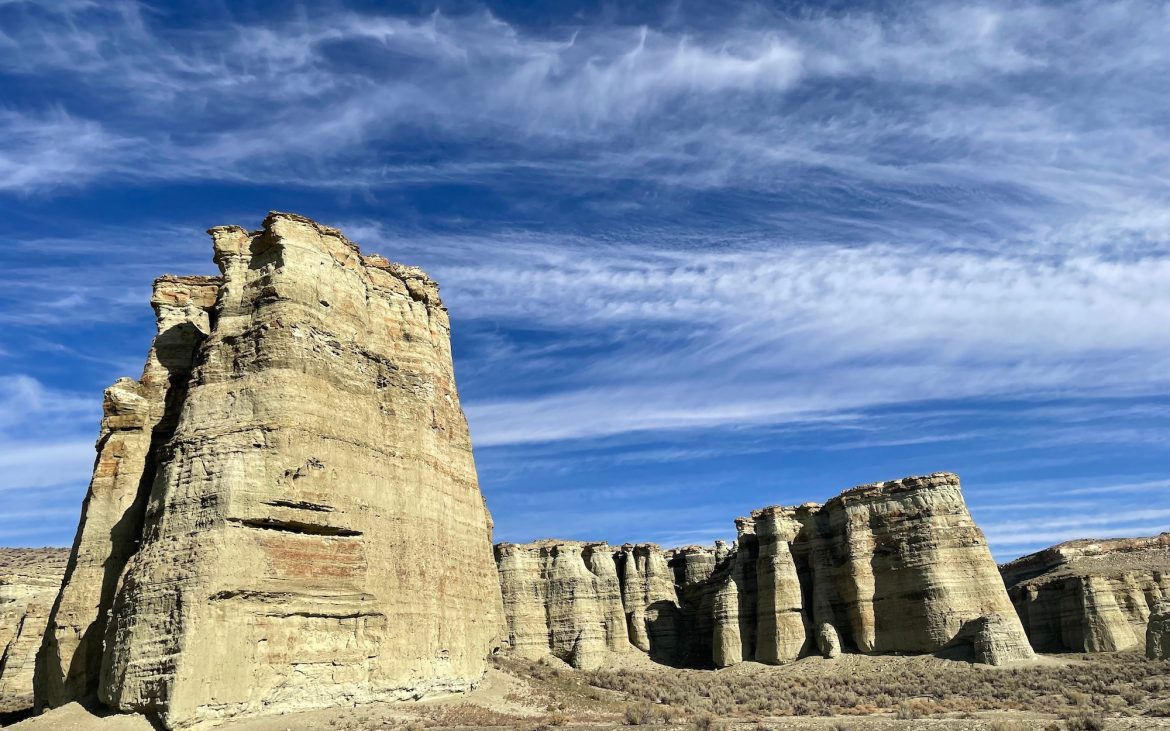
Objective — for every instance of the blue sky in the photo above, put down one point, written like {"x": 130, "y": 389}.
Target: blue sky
{"x": 699, "y": 257}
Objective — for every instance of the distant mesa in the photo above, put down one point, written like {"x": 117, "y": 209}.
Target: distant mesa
{"x": 284, "y": 515}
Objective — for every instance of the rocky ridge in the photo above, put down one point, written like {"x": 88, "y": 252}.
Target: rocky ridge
{"x": 1090, "y": 595}
{"x": 29, "y": 581}
{"x": 284, "y": 513}
{"x": 891, "y": 567}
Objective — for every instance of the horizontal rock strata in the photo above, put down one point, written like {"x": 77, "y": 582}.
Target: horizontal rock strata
{"x": 138, "y": 419}
{"x": 892, "y": 567}
{"x": 1089, "y": 595}
{"x": 563, "y": 599}
{"x": 285, "y": 512}
{"x": 29, "y": 581}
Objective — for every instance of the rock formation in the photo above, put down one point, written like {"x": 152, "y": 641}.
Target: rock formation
{"x": 1158, "y": 633}
{"x": 1088, "y": 595}
{"x": 285, "y": 512}
{"x": 900, "y": 566}
{"x": 564, "y": 599}
{"x": 29, "y": 581}
{"x": 650, "y": 601}
{"x": 139, "y": 418}
{"x": 892, "y": 567}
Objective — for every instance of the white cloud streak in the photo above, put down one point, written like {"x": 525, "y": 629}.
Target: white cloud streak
{"x": 961, "y": 103}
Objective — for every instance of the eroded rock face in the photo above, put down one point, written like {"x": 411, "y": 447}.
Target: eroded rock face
{"x": 563, "y": 598}
{"x": 1090, "y": 596}
{"x": 139, "y": 418}
{"x": 650, "y": 600}
{"x": 1158, "y": 633}
{"x": 313, "y": 533}
{"x": 903, "y": 566}
{"x": 890, "y": 567}
{"x": 29, "y": 581}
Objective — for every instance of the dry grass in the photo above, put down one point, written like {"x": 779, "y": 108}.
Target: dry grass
{"x": 1081, "y": 690}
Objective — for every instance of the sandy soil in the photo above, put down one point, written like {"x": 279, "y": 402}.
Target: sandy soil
{"x": 541, "y": 696}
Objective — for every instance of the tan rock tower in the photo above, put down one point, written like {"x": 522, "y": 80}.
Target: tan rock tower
{"x": 312, "y": 530}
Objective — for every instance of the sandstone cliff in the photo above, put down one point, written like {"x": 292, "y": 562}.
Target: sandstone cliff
{"x": 1088, "y": 595}
{"x": 29, "y": 581}
{"x": 285, "y": 512}
{"x": 892, "y": 567}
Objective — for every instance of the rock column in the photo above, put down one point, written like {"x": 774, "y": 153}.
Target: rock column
{"x": 139, "y": 417}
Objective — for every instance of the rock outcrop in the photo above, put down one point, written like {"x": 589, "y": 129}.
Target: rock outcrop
{"x": 29, "y": 581}
{"x": 650, "y": 601}
{"x": 892, "y": 567}
{"x": 285, "y": 512}
{"x": 564, "y": 599}
{"x": 900, "y": 566}
{"x": 1158, "y": 633}
{"x": 1089, "y": 595}
{"x": 139, "y": 418}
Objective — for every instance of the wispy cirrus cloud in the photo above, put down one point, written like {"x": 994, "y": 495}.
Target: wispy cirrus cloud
{"x": 720, "y": 240}
{"x": 983, "y": 114}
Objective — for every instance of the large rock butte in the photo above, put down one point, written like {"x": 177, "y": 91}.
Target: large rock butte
{"x": 1090, "y": 595}
{"x": 892, "y": 567}
{"x": 29, "y": 581}
{"x": 285, "y": 512}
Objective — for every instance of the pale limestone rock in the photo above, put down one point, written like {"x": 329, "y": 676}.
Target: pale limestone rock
{"x": 989, "y": 641}
{"x": 900, "y": 566}
{"x": 651, "y": 602}
{"x": 29, "y": 581}
{"x": 892, "y": 567}
{"x": 782, "y": 627}
{"x": 1158, "y": 633}
{"x": 314, "y": 534}
{"x": 525, "y": 597}
{"x": 139, "y": 417}
{"x": 563, "y": 598}
{"x": 699, "y": 576}
{"x": 727, "y": 642}
{"x": 828, "y": 642}
{"x": 1090, "y": 595}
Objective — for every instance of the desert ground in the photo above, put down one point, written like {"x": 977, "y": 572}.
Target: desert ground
{"x": 850, "y": 693}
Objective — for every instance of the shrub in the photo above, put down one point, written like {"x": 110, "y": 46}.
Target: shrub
{"x": 637, "y": 715}
{"x": 706, "y": 722}
{"x": 1084, "y": 721}
{"x": 908, "y": 711}
{"x": 1160, "y": 710}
